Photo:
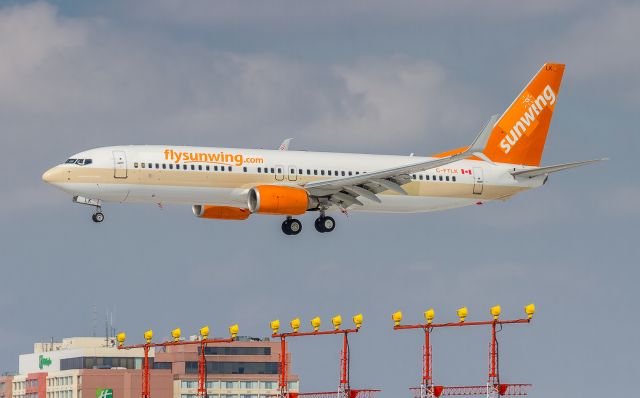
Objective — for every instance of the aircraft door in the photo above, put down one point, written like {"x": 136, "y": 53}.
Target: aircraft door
{"x": 279, "y": 172}
{"x": 119, "y": 164}
{"x": 292, "y": 173}
{"x": 478, "y": 180}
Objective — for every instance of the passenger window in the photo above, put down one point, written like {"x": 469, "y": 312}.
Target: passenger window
{"x": 135, "y": 165}
{"x": 343, "y": 173}
{"x": 350, "y": 173}
{"x": 315, "y": 172}
{"x": 259, "y": 169}
{"x": 440, "y": 178}
{"x": 193, "y": 167}
{"x": 150, "y": 165}
{"x": 321, "y": 172}
{"x": 357, "y": 173}
{"x": 447, "y": 178}
{"x": 142, "y": 165}
{"x": 273, "y": 171}
{"x": 170, "y": 166}
{"x": 164, "y": 166}
{"x": 453, "y": 178}
{"x": 244, "y": 169}
{"x": 299, "y": 171}
{"x": 207, "y": 167}
{"x": 421, "y": 176}
{"x": 279, "y": 170}
{"x": 157, "y": 166}
{"x": 230, "y": 168}
{"x": 426, "y": 177}
{"x": 215, "y": 168}
{"x": 221, "y": 168}
{"x": 308, "y": 172}
{"x": 335, "y": 173}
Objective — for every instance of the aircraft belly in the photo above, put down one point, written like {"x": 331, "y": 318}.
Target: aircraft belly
{"x": 412, "y": 204}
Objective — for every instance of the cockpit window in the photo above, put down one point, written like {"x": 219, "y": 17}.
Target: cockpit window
{"x": 80, "y": 162}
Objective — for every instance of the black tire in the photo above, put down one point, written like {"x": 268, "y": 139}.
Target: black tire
{"x": 295, "y": 226}
{"x": 286, "y": 227}
{"x": 318, "y": 225}
{"x": 328, "y": 224}
{"x": 98, "y": 217}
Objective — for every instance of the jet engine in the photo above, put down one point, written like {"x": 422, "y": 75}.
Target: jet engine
{"x": 220, "y": 212}
{"x": 277, "y": 199}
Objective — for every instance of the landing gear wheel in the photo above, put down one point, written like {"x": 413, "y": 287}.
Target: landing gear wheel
{"x": 328, "y": 224}
{"x": 98, "y": 217}
{"x": 325, "y": 224}
{"x": 291, "y": 226}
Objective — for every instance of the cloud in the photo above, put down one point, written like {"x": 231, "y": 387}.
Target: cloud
{"x": 69, "y": 84}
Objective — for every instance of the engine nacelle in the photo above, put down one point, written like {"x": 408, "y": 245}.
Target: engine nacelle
{"x": 278, "y": 199}
{"x": 220, "y": 212}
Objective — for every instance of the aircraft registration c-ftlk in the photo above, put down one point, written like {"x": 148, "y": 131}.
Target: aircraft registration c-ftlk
{"x": 233, "y": 184}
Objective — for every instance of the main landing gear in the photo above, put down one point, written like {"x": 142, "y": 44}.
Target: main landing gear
{"x": 293, "y": 226}
{"x": 97, "y": 216}
{"x": 325, "y": 224}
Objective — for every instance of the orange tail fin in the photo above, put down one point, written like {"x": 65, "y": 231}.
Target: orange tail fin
{"x": 521, "y": 132}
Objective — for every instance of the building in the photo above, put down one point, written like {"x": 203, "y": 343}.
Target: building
{"x": 6, "y": 384}
{"x": 247, "y": 368}
{"x": 88, "y": 367}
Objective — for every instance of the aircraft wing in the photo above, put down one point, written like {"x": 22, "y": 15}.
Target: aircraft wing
{"x": 344, "y": 191}
{"x": 530, "y": 173}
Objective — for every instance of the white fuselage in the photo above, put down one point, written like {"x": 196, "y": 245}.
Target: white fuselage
{"x": 223, "y": 176}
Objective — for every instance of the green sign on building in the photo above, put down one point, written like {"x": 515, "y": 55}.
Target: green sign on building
{"x": 43, "y": 361}
{"x": 104, "y": 393}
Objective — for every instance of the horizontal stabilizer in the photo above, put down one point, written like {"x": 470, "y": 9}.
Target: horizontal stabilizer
{"x": 530, "y": 173}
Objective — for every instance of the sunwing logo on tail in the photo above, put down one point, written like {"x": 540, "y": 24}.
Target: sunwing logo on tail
{"x": 529, "y": 120}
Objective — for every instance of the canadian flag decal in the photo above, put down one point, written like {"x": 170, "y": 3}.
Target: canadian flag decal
{"x": 465, "y": 171}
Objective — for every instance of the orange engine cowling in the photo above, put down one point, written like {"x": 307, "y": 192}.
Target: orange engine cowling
{"x": 277, "y": 199}
{"x": 221, "y": 212}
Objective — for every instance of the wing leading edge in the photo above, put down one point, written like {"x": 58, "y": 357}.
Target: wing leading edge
{"x": 345, "y": 191}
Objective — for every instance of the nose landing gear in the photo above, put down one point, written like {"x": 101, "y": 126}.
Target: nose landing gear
{"x": 98, "y": 216}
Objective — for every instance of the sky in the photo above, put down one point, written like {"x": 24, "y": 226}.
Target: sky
{"x": 354, "y": 76}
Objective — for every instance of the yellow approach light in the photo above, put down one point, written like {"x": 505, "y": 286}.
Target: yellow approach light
{"x": 295, "y": 325}
{"x": 495, "y": 311}
{"x": 337, "y": 321}
{"x": 233, "y": 330}
{"x": 397, "y": 318}
{"x": 429, "y": 315}
{"x": 175, "y": 333}
{"x": 121, "y": 338}
{"x": 148, "y": 335}
{"x": 315, "y": 323}
{"x": 204, "y": 332}
{"x": 275, "y": 326}
{"x": 357, "y": 320}
{"x": 530, "y": 310}
{"x": 462, "y": 313}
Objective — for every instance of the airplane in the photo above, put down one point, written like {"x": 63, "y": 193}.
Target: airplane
{"x": 233, "y": 183}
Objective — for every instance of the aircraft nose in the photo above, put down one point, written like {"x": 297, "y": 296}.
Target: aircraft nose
{"x": 51, "y": 175}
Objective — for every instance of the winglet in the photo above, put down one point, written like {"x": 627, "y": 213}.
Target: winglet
{"x": 481, "y": 140}
{"x": 285, "y": 144}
